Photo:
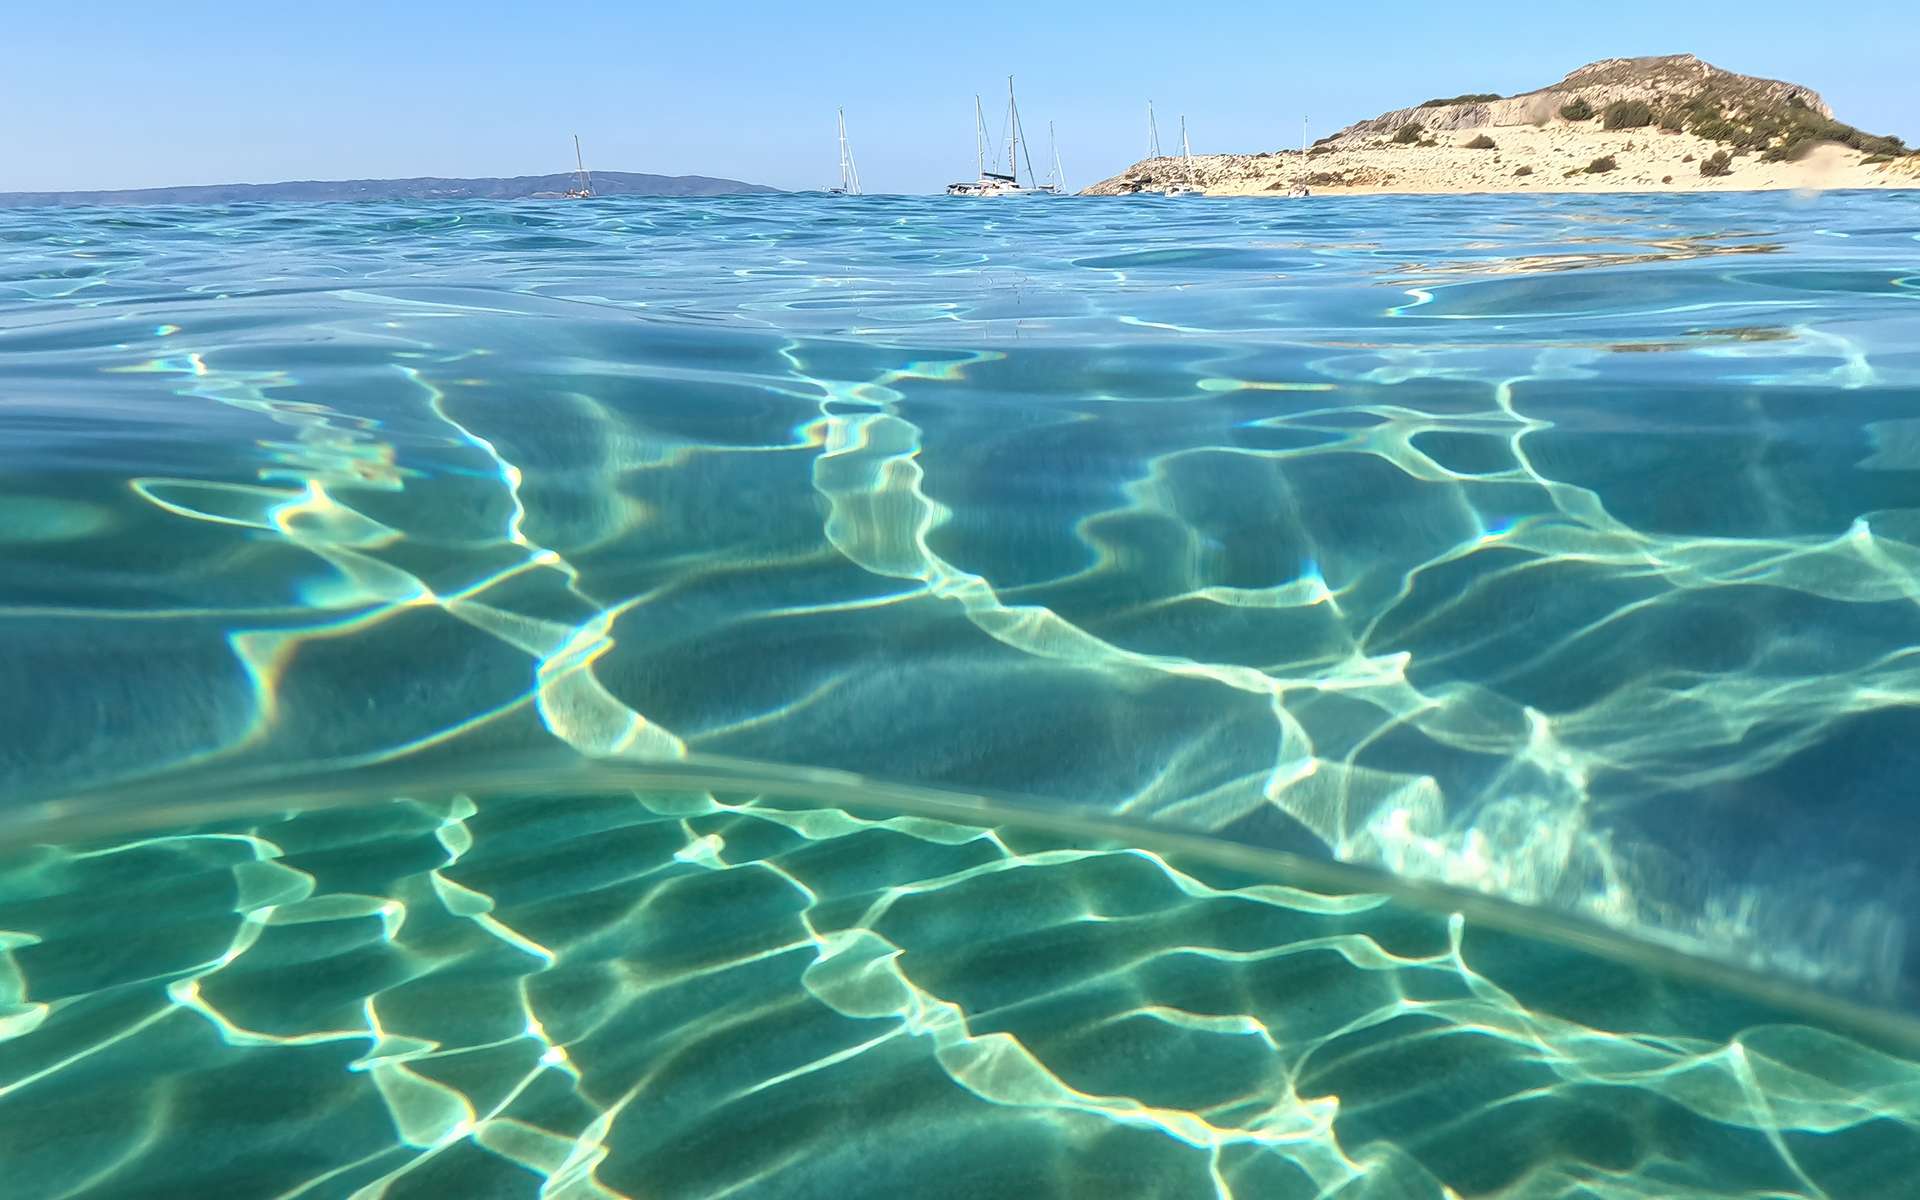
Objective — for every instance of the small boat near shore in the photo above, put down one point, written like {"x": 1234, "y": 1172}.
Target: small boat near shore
{"x": 1191, "y": 186}
{"x": 1299, "y": 187}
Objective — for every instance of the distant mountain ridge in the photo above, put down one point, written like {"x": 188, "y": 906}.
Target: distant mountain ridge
{"x": 518, "y": 187}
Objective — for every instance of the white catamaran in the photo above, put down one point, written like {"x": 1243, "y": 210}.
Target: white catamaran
{"x": 995, "y": 183}
{"x": 1192, "y": 185}
{"x": 849, "y": 173}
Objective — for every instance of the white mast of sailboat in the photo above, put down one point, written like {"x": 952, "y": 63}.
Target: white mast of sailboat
{"x": 583, "y": 182}
{"x": 1013, "y": 133}
{"x": 849, "y": 173}
{"x": 1186, "y": 149}
{"x": 1053, "y": 148}
{"x": 1016, "y": 141}
{"x": 1153, "y": 133}
{"x": 980, "y": 134}
{"x": 1300, "y": 178}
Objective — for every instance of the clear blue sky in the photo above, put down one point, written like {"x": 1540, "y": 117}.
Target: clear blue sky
{"x": 114, "y": 93}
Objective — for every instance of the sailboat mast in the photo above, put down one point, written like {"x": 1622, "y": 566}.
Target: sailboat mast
{"x": 1013, "y": 130}
{"x": 979, "y": 134}
{"x": 1053, "y": 152}
{"x": 853, "y": 168}
{"x": 580, "y": 165}
{"x": 1017, "y": 139}
{"x": 844, "y": 183}
{"x": 1153, "y": 133}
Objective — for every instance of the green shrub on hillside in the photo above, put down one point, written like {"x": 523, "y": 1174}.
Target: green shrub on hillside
{"x": 1409, "y": 134}
{"x": 1577, "y": 110}
{"x": 1874, "y": 143}
{"x": 1601, "y": 165}
{"x": 1795, "y": 148}
{"x": 1714, "y": 129}
{"x": 1876, "y": 160}
{"x": 1483, "y": 142}
{"x": 1671, "y": 120}
{"x": 1523, "y": 171}
{"x": 1721, "y": 163}
{"x": 1703, "y": 106}
{"x": 1627, "y": 114}
{"x": 1469, "y": 98}
{"x": 1784, "y": 132}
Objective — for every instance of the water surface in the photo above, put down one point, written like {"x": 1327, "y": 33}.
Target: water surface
{"x": 1562, "y": 551}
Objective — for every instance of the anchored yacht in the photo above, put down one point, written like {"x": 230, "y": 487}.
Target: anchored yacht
{"x": 849, "y": 173}
{"x": 582, "y": 188}
{"x": 1007, "y": 183}
{"x": 1191, "y": 185}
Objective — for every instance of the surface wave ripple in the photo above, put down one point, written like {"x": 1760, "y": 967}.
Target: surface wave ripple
{"x": 1560, "y": 549}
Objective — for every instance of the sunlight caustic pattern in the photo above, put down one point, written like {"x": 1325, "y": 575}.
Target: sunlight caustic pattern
{"x": 1561, "y": 549}
{"x": 747, "y": 992}
{"x": 1461, "y": 562}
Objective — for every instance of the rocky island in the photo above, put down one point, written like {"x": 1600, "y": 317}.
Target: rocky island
{"x": 1670, "y": 123}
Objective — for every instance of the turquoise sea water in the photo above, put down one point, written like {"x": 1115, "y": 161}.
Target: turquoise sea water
{"x": 1371, "y": 697}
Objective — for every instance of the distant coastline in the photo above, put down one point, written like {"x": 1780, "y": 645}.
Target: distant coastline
{"x": 518, "y": 187}
{"x": 1670, "y": 123}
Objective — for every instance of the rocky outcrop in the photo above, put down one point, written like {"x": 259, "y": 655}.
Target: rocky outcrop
{"x": 1210, "y": 171}
{"x": 1671, "y": 79}
{"x": 1771, "y": 128}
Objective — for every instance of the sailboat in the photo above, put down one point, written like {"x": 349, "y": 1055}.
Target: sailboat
{"x": 849, "y": 173}
{"x": 1056, "y": 179}
{"x": 1153, "y": 133}
{"x": 582, "y": 188}
{"x": 1192, "y": 185}
{"x": 1299, "y": 187}
{"x": 996, "y": 183}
